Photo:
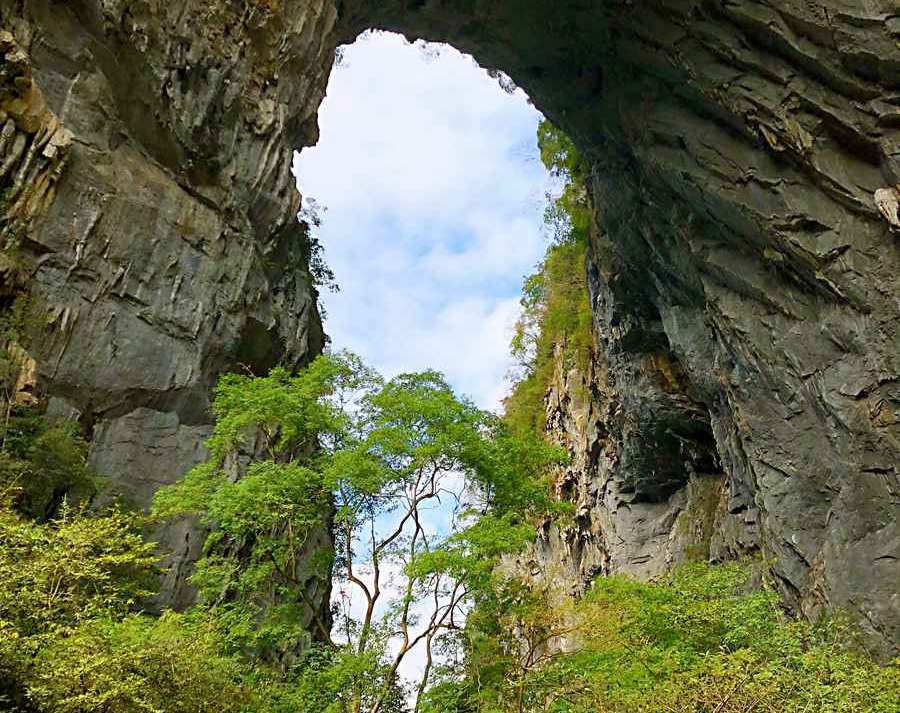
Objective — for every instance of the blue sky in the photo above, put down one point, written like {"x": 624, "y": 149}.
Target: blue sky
{"x": 434, "y": 193}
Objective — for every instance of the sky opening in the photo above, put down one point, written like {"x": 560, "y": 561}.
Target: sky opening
{"x": 433, "y": 191}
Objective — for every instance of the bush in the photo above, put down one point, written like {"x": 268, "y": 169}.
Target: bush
{"x": 71, "y": 640}
{"x": 43, "y": 464}
{"x": 58, "y": 576}
{"x": 138, "y": 665}
{"x": 702, "y": 642}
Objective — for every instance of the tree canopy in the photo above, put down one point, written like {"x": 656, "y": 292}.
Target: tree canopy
{"x": 336, "y": 446}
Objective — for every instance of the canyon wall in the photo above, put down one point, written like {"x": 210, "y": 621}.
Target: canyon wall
{"x": 150, "y": 144}
{"x": 744, "y": 268}
{"x": 744, "y": 275}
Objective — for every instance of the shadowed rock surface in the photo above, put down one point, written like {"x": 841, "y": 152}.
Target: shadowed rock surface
{"x": 171, "y": 249}
{"x": 744, "y": 268}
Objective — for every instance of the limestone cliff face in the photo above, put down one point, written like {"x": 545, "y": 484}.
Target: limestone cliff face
{"x": 617, "y": 528}
{"x": 744, "y": 273}
{"x": 146, "y": 162}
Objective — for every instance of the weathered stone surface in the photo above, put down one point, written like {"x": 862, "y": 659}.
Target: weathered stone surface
{"x": 617, "y": 528}
{"x": 141, "y": 451}
{"x": 744, "y": 273}
{"x": 160, "y": 254}
{"x": 34, "y": 147}
{"x": 743, "y": 152}
{"x": 742, "y": 227}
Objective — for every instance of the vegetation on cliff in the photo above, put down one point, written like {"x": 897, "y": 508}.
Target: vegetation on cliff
{"x": 698, "y": 642}
{"x": 334, "y": 446}
{"x": 702, "y": 640}
{"x": 555, "y": 321}
{"x": 72, "y": 638}
{"x": 69, "y": 640}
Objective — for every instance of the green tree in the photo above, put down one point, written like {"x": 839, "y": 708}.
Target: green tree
{"x": 337, "y": 439}
{"x": 263, "y": 493}
{"x": 43, "y": 464}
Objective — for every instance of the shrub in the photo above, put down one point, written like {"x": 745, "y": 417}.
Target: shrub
{"x": 138, "y": 665}
{"x": 702, "y": 642}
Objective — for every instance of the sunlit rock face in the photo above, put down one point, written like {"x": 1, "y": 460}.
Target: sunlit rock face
{"x": 744, "y": 269}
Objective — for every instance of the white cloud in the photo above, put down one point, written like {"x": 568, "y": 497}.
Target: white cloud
{"x": 434, "y": 195}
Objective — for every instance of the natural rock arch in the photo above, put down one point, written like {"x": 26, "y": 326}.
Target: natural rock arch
{"x": 744, "y": 272}
{"x": 745, "y": 269}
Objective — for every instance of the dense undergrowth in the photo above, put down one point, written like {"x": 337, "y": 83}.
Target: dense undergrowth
{"x": 699, "y": 642}
{"x": 71, "y": 641}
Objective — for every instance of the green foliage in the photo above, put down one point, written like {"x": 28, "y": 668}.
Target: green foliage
{"x": 335, "y": 440}
{"x": 291, "y": 411}
{"x": 63, "y": 570}
{"x": 58, "y": 576}
{"x": 266, "y": 518}
{"x": 698, "y": 642}
{"x": 289, "y": 415}
{"x": 287, "y": 451}
{"x": 558, "y": 152}
{"x": 277, "y": 433}
{"x": 71, "y": 580}
{"x": 71, "y": 642}
{"x": 312, "y": 255}
{"x": 328, "y": 678}
{"x": 73, "y": 568}
{"x": 40, "y": 463}
{"x": 569, "y": 215}
{"x": 139, "y": 665}
{"x": 268, "y": 495}
{"x": 556, "y": 319}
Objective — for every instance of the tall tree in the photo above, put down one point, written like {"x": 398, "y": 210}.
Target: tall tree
{"x": 380, "y": 462}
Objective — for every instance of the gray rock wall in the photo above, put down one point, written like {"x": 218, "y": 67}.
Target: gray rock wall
{"x": 167, "y": 247}
{"x": 745, "y": 229}
{"x": 744, "y": 272}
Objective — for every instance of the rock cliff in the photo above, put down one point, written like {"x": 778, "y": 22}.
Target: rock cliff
{"x": 744, "y": 270}
{"x": 146, "y": 162}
